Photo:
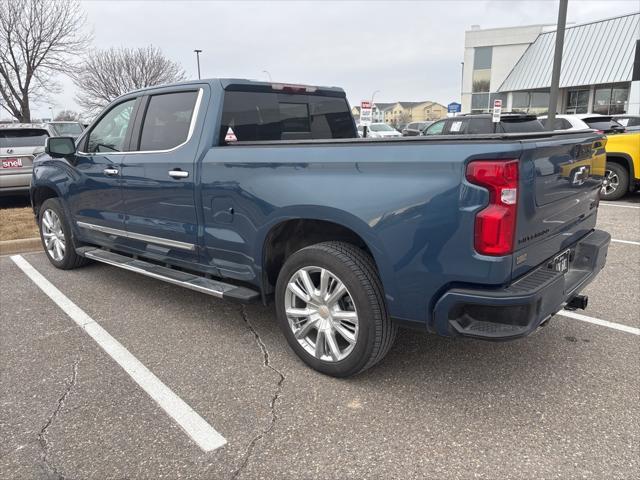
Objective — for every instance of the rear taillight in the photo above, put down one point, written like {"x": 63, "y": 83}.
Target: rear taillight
{"x": 495, "y": 225}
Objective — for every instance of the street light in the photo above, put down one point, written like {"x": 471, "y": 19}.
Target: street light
{"x": 198, "y": 52}
{"x": 373, "y": 95}
{"x": 268, "y": 74}
{"x": 51, "y": 112}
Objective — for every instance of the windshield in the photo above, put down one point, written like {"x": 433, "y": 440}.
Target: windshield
{"x": 70, "y": 129}
{"x": 22, "y": 137}
{"x": 381, "y": 127}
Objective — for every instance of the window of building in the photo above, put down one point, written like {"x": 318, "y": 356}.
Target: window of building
{"x": 482, "y": 57}
{"x": 481, "y": 79}
{"x": 536, "y": 103}
{"x": 610, "y": 100}
{"x": 479, "y": 103}
{"x": 167, "y": 121}
{"x": 577, "y": 101}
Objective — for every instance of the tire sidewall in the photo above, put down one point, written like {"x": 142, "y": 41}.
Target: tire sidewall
{"x": 355, "y": 361}
{"x": 623, "y": 184}
{"x": 54, "y": 205}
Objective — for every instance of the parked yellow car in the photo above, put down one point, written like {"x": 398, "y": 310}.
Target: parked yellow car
{"x": 622, "y": 173}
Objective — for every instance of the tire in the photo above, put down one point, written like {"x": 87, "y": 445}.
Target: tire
{"x": 55, "y": 229}
{"x": 616, "y": 182}
{"x": 355, "y": 346}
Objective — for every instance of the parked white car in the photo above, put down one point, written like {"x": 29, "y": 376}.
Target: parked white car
{"x": 379, "y": 130}
{"x": 582, "y": 121}
{"x": 566, "y": 122}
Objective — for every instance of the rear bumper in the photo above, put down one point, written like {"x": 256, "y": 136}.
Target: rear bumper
{"x": 15, "y": 182}
{"x": 520, "y": 308}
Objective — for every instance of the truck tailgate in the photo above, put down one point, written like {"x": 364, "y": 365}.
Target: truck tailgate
{"x": 559, "y": 188}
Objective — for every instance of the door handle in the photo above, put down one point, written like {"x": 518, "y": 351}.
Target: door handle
{"x": 111, "y": 171}
{"x": 178, "y": 174}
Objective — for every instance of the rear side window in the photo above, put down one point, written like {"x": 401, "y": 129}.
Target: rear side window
{"x": 254, "y": 116}
{"x": 22, "y": 137}
{"x": 560, "y": 124}
{"x": 479, "y": 125}
{"x": 167, "y": 120}
{"x": 606, "y": 124}
{"x": 522, "y": 126}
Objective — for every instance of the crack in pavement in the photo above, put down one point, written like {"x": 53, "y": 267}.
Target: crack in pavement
{"x": 50, "y": 471}
{"x": 266, "y": 362}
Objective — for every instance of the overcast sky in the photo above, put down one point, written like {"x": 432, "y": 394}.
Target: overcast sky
{"x": 409, "y": 50}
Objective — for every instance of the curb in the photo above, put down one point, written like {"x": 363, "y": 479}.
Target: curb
{"x": 21, "y": 245}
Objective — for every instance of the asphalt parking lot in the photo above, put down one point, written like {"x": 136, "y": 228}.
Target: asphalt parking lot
{"x": 563, "y": 403}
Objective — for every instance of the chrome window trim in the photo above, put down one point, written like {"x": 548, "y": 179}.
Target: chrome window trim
{"x": 192, "y": 127}
{"x": 137, "y": 236}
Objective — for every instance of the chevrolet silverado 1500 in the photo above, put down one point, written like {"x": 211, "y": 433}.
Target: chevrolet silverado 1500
{"x": 255, "y": 191}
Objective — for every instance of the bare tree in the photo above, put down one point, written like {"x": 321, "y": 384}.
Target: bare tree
{"x": 67, "y": 116}
{"x": 107, "y": 74}
{"x": 37, "y": 39}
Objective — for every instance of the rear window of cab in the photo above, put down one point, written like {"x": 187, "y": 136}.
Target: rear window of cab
{"x": 255, "y": 116}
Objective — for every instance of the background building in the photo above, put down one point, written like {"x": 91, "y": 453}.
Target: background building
{"x": 404, "y": 112}
{"x": 514, "y": 64}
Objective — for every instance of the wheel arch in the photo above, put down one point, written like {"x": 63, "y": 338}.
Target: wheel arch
{"x": 286, "y": 235}
{"x": 624, "y": 160}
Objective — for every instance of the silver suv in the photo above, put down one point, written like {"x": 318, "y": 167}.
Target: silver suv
{"x": 19, "y": 145}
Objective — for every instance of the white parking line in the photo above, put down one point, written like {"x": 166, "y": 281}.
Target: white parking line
{"x": 602, "y": 323}
{"x": 629, "y": 242}
{"x": 618, "y": 205}
{"x": 203, "y": 434}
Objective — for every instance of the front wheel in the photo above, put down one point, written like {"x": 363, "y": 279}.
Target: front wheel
{"x": 55, "y": 233}
{"x": 615, "y": 183}
{"x": 330, "y": 306}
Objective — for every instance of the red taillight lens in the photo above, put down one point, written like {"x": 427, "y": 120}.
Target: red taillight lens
{"x": 496, "y": 224}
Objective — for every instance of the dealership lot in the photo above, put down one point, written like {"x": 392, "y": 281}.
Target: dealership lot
{"x": 563, "y": 403}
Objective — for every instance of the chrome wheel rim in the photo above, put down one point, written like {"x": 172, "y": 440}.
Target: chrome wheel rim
{"x": 610, "y": 183}
{"x": 53, "y": 235}
{"x": 321, "y": 314}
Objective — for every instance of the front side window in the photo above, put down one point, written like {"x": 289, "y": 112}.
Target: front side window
{"x": 167, "y": 121}
{"x": 109, "y": 133}
{"x": 435, "y": 128}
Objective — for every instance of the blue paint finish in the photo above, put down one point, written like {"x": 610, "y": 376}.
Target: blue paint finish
{"x": 408, "y": 200}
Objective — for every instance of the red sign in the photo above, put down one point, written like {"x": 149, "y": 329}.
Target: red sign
{"x": 365, "y": 104}
{"x": 497, "y": 103}
{"x": 11, "y": 162}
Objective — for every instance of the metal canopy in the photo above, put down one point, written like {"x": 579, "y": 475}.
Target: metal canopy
{"x": 594, "y": 53}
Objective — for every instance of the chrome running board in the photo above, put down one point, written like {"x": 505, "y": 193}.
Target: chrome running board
{"x": 215, "y": 288}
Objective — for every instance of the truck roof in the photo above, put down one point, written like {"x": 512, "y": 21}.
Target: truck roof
{"x": 229, "y": 83}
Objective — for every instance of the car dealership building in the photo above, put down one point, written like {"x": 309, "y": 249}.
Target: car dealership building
{"x": 600, "y": 67}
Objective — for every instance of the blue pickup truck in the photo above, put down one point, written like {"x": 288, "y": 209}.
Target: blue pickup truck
{"x": 255, "y": 191}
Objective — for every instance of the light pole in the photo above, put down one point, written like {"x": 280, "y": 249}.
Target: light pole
{"x": 51, "y": 112}
{"x": 198, "y": 52}
{"x": 373, "y": 95}
{"x": 268, "y": 74}
{"x": 557, "y": 63}
{"x": 461, "y": 80}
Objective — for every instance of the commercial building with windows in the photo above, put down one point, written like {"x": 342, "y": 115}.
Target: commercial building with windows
{"x": 600, "y": 68}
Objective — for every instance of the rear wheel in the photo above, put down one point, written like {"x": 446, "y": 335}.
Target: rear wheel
{"x": 615, "y": 183}
{"x": 55, "y": 233}
{"x": 331, "y": 309}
